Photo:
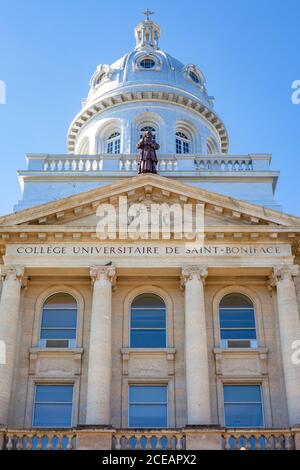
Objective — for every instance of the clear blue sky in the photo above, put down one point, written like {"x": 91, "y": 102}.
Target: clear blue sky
{"x": 248, "y": 50}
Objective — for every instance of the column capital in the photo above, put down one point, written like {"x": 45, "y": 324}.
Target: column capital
{"x": 14, "y": 273}
{"x": 103, "y": 273}
{"x": 188, "y": 273}
{"x": 280, "y": 273}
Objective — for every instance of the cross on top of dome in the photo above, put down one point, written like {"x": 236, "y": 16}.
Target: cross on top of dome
{"x": 148, "y": 13}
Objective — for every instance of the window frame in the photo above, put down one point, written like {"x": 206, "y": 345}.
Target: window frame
{"x": 114, "y": 139}
{"x": 148, "y": 126}
{"x": 255, "y": 340}
{"x": 165, "y": 385}
{"x": 49, "y": 384}
{"x": 245, "y": 384}
{"x": 186, "y": 140}
{"x": 74, "y": 340}
{"x": 147, "y": 329}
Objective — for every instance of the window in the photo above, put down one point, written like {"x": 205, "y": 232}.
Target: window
{"x": 243, "y": 406}
{"x": 194, "y": 77}
{"x": 147, "y": 63}
{"x": 147, "y": 128}
{"x": 59, "y": 320}
{"x": 148, "y": 406}
{"x": 148, "y": 322}
{"x": 182, "y": 142}
{"x": 114, "y": 143}
{"x": 101, "y": 78}
{"x": 237, "y": 321}
{"x": 53, "y": 406}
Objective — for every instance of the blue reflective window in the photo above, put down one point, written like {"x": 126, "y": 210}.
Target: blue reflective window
{"x": 237, "y": 317}
{"x": 114, "y": 143}
{"x": 243, "y": 406}
{"x": 148, "y": 406}
{"x": 53, "y": 406}
{"x": 59, "y": 317}
{"x": 182, "y": 142}
{"x": 148, "y": 322}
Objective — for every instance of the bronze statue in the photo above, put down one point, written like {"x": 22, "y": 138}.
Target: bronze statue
{"x": 148, "y": 158}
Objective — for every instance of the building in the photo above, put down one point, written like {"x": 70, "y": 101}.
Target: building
{"x": 160, "y": 341}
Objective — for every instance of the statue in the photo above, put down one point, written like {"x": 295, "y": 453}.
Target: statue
{"x": 148, "y": 158}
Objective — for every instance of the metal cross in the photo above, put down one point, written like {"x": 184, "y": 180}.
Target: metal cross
{"x": 147, "y": 13}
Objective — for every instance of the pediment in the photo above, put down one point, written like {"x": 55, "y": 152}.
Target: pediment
{"x": 80, "y": 209}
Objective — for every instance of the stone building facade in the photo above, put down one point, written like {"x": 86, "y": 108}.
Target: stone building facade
{"x": 154, "y": 342}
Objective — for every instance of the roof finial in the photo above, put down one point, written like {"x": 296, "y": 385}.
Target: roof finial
{"x": 148, "y": 13}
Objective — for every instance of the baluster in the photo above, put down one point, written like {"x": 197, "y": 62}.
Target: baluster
{"x": 227, "y": 445}
{"x": 139, "y": 442}
{"x": 169, "y": 442}
{"x": 128, "y": 443}
{"x": 237, "y": 443}
{"x": 159, "y": 444}
{"x": 59, "y": 442}
{"x": 278, "y": 444}
{"x": 69, "y": 445}
{"x": 39, "y": 445}
{"x": 148, "y": 442}
{"x": 178, "y": 444}
{"x": 288, "y": 442}
{"x": 19, "y": 443}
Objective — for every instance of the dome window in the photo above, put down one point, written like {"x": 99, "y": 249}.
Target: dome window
{"x": 100, "y": 78}
{"x": 147, "y": 128}
{"x": 147, "y": 63}
{"x": 114, "y": 143}
{"x": 194, "y": 77}
{"x": 183, "y": 142}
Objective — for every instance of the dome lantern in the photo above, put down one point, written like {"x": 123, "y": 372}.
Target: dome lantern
{"x": 147, "y": 33}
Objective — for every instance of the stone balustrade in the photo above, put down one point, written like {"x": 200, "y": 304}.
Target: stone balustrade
{"x": 264, "y": 439}
{"x": 39, "y": 440}
{"x": 190, "y": 438}
{"x": 148, "y": 440}
{"x": 129, "y": 162}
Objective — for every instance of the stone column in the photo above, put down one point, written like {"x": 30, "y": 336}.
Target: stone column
{"x": 12, "y": 277}
{"x": 99, "y": 364}
{"x": 289, "y": 325}
{"x": 196, "y": 356}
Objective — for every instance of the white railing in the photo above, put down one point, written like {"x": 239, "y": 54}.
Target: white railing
{"x": 73, "y": 164}
{"x": 224, "y": 164}
{"x": 148, "y": 440}
{"x": 258, "y": 440}
{"x": 129, "y": 163}
{"x": 40, "y": 440}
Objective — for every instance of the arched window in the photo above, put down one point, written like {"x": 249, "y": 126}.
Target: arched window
{"x": 59, "y": 321}
{"x": 237, "y": 322}
{"x": 146, "y": 128}
{"x": 183, "y": 142}
{"x": 148, "y": 322}
{"x": 113, "y": 143}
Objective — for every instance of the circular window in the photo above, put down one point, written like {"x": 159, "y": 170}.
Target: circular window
{"x": 194, "y": 77}
{"x": 147, "y": 63}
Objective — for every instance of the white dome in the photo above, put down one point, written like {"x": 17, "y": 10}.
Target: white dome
{"x": 147, "y": 75}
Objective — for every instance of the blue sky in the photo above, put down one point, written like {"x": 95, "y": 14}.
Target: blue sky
{"x": 247, "y": 49}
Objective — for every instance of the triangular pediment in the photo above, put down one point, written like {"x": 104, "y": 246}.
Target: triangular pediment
{"x": 80, "y": 209}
